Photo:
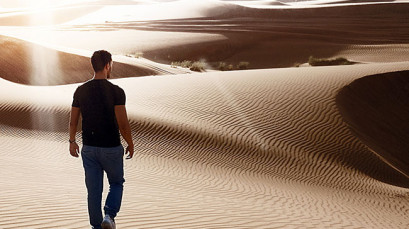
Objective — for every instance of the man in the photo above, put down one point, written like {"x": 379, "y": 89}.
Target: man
{"x": 102, "y": 107}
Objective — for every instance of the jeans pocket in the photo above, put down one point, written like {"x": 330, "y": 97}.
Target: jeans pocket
{"x": 114, "y": 153}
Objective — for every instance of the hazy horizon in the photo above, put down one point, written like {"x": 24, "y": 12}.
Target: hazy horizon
{"x": 43, "y": 3}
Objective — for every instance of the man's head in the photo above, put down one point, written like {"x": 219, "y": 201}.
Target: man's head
{"x": 101, "y": 61}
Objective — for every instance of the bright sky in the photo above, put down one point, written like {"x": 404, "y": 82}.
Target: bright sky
{"x": 37, "y": 4}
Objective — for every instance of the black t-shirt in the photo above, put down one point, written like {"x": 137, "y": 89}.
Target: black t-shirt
{"x": 96, "y": 100}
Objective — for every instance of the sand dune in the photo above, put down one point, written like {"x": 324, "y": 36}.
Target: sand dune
{"x": 27, "y": 63}
{"x": 260, "y": 3}
{"x": 250, "y": 149}
{"x": 282, "y": 37}
{"x": 361, "y": 1}
{"x": 376, "y": 108}
{"x": 323, "y": 2}
{"x": 319, "y": 147}
{"x": 263, "y": 37}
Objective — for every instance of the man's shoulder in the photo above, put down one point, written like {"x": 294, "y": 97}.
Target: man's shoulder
{"x": 90, "y": 83}
{"x": 117, "y": 88}
{"x": 85, "y": 84}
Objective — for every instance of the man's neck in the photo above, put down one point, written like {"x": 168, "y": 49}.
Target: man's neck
{"x": 99, "y": 76}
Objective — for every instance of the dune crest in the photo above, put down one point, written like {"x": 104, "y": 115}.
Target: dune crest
{"x": 28, "y": 63}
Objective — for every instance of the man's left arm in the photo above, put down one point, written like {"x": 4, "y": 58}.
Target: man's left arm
{"x": 75, "y": 115}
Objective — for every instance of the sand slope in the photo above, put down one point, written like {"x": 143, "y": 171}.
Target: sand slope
{"x": 323, "y": 2}
{"x": 376, "y": 109}
{"x": 250, "y": 149}
{"x": 28, "y": 63}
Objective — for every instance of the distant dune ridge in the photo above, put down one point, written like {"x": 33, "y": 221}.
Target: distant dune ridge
{"x": 260, "y": 3}
{"x": 357, "y": 1}
{"x": 276, "y": 37}
{"x": 284, "y": 37}
{"x": 27, "y": 63}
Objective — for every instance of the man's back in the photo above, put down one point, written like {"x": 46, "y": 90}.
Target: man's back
{"x": 96, "y": 100}
{"x": 102, "y": 105}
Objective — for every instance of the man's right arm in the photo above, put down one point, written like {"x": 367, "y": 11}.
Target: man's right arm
{"x": 124, "y": 128}
{"x": 74, "y": 117}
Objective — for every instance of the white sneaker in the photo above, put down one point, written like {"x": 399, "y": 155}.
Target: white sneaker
{"x": 108, "y": 223}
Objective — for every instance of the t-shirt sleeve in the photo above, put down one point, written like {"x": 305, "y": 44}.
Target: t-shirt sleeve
{"x": 75, "y": 101}
{"x": 120, "y": 97}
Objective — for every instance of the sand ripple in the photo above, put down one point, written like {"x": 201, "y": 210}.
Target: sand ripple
{"x": 250, "y": 149}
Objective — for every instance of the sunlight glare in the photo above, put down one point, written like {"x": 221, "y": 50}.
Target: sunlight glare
{"x": 38, "y": 5}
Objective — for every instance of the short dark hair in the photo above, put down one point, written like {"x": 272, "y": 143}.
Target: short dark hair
{"x": 99, "y": 59}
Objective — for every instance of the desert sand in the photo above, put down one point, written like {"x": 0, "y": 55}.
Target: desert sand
{"x": 307, "y": 147}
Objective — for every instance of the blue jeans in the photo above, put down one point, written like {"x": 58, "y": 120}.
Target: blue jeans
{"x": 96, "y": 160}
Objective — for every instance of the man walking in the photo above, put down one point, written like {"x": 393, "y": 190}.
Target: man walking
{"x": 102, "y": 107}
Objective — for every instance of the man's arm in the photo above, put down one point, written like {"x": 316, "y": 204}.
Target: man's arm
{"x": 124, "y": 128}
{"x": 75, "y": 115}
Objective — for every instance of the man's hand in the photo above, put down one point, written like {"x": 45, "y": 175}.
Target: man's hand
{"x": 129, "y": 149}
{"x": 74, "y": 149}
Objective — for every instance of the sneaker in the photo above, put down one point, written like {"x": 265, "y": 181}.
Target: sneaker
{"x": 108, "y": 223}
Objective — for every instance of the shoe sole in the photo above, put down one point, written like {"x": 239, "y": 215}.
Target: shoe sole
{"x": 106, "y": 225}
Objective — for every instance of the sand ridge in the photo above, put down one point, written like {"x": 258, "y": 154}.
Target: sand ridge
{"x": 263, "y": 37}
{"x": 283, "y": 37}
{"x": 33, "y": 64}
